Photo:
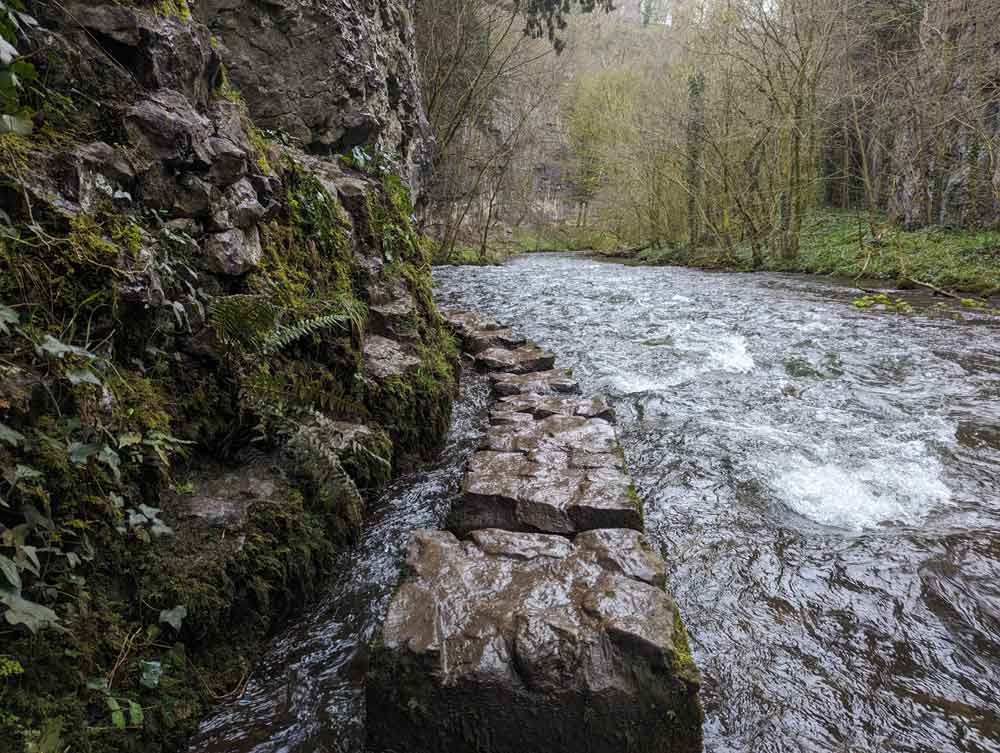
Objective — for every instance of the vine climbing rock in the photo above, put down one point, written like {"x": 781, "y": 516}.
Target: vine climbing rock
{"x": 539, "y": 621}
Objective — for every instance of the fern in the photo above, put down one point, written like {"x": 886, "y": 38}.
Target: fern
{"x": 310, "y": 447}
{"x": 250, "y": 323}
{"x": 243, "y": 321}
{"x": 282, "y": 337}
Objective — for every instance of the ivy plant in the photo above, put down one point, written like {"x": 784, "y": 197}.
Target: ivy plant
{"x": 15, "y": 117}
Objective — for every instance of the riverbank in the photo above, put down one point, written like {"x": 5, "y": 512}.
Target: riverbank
{"x": 835, "y": 244}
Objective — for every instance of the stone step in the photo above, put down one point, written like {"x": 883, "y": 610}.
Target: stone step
{"x": 543, "y": 406}
{"x": 539, "y": 621}
{"x": 523, "y": 360}
{"x": 515, "y": 642}
{"x": 479, "y": 340}
{"x": 549, "y": 492}
{"x": 552, "y": 382}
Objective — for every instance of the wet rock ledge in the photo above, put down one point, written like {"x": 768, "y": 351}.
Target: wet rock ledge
{"x": 539, "y": 620}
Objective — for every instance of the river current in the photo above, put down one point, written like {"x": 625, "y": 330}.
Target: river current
{"x": 824, "y": 483}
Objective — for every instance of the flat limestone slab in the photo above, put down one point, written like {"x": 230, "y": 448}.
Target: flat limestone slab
{"x": 477, "y": 341}
{"x": 522, "y": 360}
{"x": 553, "y": 382}
{"x": 543, "y": 406}
{"x": 466, "y": 322}
{"x": 524, "y": 643}
{"x": 562, "y": 433}
{"x": 548, "y": 491}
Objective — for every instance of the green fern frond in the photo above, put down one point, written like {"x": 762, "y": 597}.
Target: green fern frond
{"x": 311, "y": 448}
{"x": 243, "y": 321}
{"x": 282, "y": 337}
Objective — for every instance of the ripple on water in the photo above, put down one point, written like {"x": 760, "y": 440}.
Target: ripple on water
{"x": 825, "y": 483}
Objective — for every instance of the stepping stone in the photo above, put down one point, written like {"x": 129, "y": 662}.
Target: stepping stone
{"x": 527, "y": 358}
{"x": 480, "y": 340}
{"x": 551, "y": 382}
{"x": 543, "y": 406}
{"x": 563, "y": 433}
{"x": 469, "y": 325}
{"x": 547, "y": 492}
{"x": 515, "y": 642}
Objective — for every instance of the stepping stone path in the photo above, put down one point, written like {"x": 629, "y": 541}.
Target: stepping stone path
{"x": 539, "y": 621}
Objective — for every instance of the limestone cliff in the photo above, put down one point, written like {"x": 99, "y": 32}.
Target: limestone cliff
{"x": 954, "y": 177}
{"x": 930, "y": 129}
{"x": 217, "y": 342}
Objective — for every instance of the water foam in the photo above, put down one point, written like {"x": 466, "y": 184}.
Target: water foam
{"x": 889, "y": 490}
{"x": 732, "y": 355}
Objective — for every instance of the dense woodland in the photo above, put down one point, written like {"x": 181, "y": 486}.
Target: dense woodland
{"x": 745, "y": 127}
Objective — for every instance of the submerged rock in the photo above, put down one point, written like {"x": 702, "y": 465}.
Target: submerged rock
{"x": 516, "y": 642}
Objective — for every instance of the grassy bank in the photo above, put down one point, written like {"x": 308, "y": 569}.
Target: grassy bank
{"x": 838, "y": 244}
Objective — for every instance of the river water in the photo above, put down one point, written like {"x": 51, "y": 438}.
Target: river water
{"x": 824, "y": 483}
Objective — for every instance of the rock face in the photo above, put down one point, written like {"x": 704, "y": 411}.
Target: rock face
{"x": 515, "y": 642}
{"x": 236, "y": 286}
{"x": 540, "y": 620}
{"x": 930, "y": 141}
{"x": 334, "y": 75}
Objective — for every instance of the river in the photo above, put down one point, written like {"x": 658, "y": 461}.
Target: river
{"x": 824, "y": 483}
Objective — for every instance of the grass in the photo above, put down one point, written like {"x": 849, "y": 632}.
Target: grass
{"x": 829, "y": 245}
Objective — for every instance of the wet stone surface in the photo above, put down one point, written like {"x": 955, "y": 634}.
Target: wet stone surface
{"x": 552, "y": 382}
{"x": 523, "y": 360}
{"x": 513, "y": 642}
{"x": 539, "y": 620}
{"x": 543, "y": 406}
{"x": 544, "y": 492}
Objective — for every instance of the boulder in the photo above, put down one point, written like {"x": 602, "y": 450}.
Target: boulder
{"x": 514, "y": 642}
{"x": 555, "y": 381}
{"x": 523, "y": 360}
{"x": 385, "y": 358}
{"x": 234, "y": 252}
